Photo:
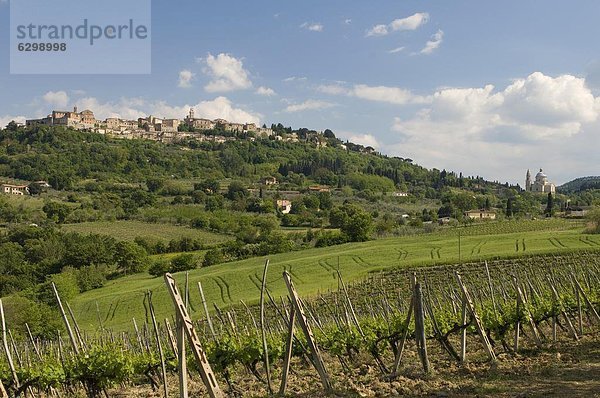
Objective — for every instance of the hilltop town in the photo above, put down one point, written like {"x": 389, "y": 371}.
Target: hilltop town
{"x": 168, "y": 130}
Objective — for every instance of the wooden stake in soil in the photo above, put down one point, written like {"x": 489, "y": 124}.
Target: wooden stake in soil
{"x": 562, "y": 310}
{"x": 398, "y": 358}
{"x": 11, "y": 364}
{"x": 579, "y": 312}
{"x": 517, "y": 326}
{"x": 317, "y": 359}
{"x": 354, "y": 318}
{"x": 76, "y": 327}
{"x": 478, "y": 324}
{"x": 3, "y": 393}
{"x": 210, "y": 324}
{"x": 208, "y": 377}
{"x": 586, "y": 299}
{"x": 487, "y": 271}
{"x": 463, "y": 333}
{"x": 159, "y": 344}
{"x": 288, "y": 353}
{"x": 182, "y": 360}
{"x": 521, "y": 301}
{"x": 66, "y": 320}
{"x": 137, "y": 334}
{"x": 172, "y": 341}
{"x": 420, "y": 327}
{"x": 263, "y": 327}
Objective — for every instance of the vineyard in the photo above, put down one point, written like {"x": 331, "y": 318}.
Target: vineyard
{"x": 392, "y": 332}
{"x": 313, "y": 270}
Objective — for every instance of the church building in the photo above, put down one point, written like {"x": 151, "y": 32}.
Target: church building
{"x": 541, "y": 183}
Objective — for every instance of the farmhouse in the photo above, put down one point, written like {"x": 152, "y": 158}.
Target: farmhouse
{"x": 284, "y": 205}
{"x": 319, "y": 188}
{"x": 481, "y": 214}
{"x": 269, "y": 181}
{"x": 11, "y": 189}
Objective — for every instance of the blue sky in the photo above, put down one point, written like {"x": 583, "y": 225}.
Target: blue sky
{"x": 486, "y": 88}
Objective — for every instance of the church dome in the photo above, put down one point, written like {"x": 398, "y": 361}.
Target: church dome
{"x": 541, "y": 174}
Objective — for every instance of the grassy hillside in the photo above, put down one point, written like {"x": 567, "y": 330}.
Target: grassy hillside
{"x": 129, "y": 230}
{"x": 313, "y": 269}
{"x": 580, "y": 184}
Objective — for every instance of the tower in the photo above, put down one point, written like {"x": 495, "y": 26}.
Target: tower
{"x": 191, "y": 113}
{"x": 528, "y": 181}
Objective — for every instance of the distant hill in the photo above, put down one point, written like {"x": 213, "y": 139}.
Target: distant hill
{"x": 580, "y": 184}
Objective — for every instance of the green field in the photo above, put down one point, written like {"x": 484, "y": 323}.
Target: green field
{"x": 129, "y": 230}
{"x": 313, "y": 269}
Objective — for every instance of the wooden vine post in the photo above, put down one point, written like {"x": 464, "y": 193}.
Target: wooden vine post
{"x": 463, "y": 332}
{"x": 562, "y": 310}
{"x": 263, "y": 327}
{"x": 420, "y": 327}
{"x": 158, "y": 344}
{"x": 66, "y": 320}
{"x": 306, "y": 329}
{"x": 522, "y": 301}
{"x": 3, "y": 393}
{"x": 208, "y": 319}
{"x": 288, "y": 352}
{"x": 9, "y": 359}
{"x": 208, "y": 377}
{"x": 588, "y": 303}
{"x": 181, "y": 357}
{"x": 471, "y": 307}
{"x": 406, "y": 324}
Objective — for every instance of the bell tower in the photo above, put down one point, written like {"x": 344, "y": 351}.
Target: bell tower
{"x": 528, "y": 181}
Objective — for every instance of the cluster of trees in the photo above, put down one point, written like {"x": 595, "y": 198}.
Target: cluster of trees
{"x": 594, "y": 221}
{"x": 31, "y": 254}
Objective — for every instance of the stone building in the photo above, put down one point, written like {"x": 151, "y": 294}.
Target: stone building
{"x": 74, "y": 119}
{"x": 541, "y": 183}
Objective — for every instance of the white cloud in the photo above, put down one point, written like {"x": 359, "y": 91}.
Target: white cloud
{"x": 125, "y": 108}
{"x": 222, "y": 107}
{"x": 529, "y": 123}
{"x": 537, "y": 107}
{"x": 333, "y": 89}
{"x": 58, "y": 99}
{"x": 133, "y": 108}
{"x": 294, "y": 79}
{"x": 266, "y": 91}
{"x": 396, "y": 50}
{"x": 348, "y": 21}
{"x": 362, "y": 139}
{"x": 433, "y": 43}
{"x": 313, "y": 27}
{"x": 227, "y": 73}
{"x": 4, "y": 120}
{"x": 309, "y": 105}
{"x": 412, "y": 22}
{"x": 392, "y": 95}
{"x": 547, "y": 101}
{"x": 378, "y": 30}
{"x": 185, "y": 78}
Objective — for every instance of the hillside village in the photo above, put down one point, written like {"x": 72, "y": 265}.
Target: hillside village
{"x": 277, "y": 183}
{"x": 169, "y": 130}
